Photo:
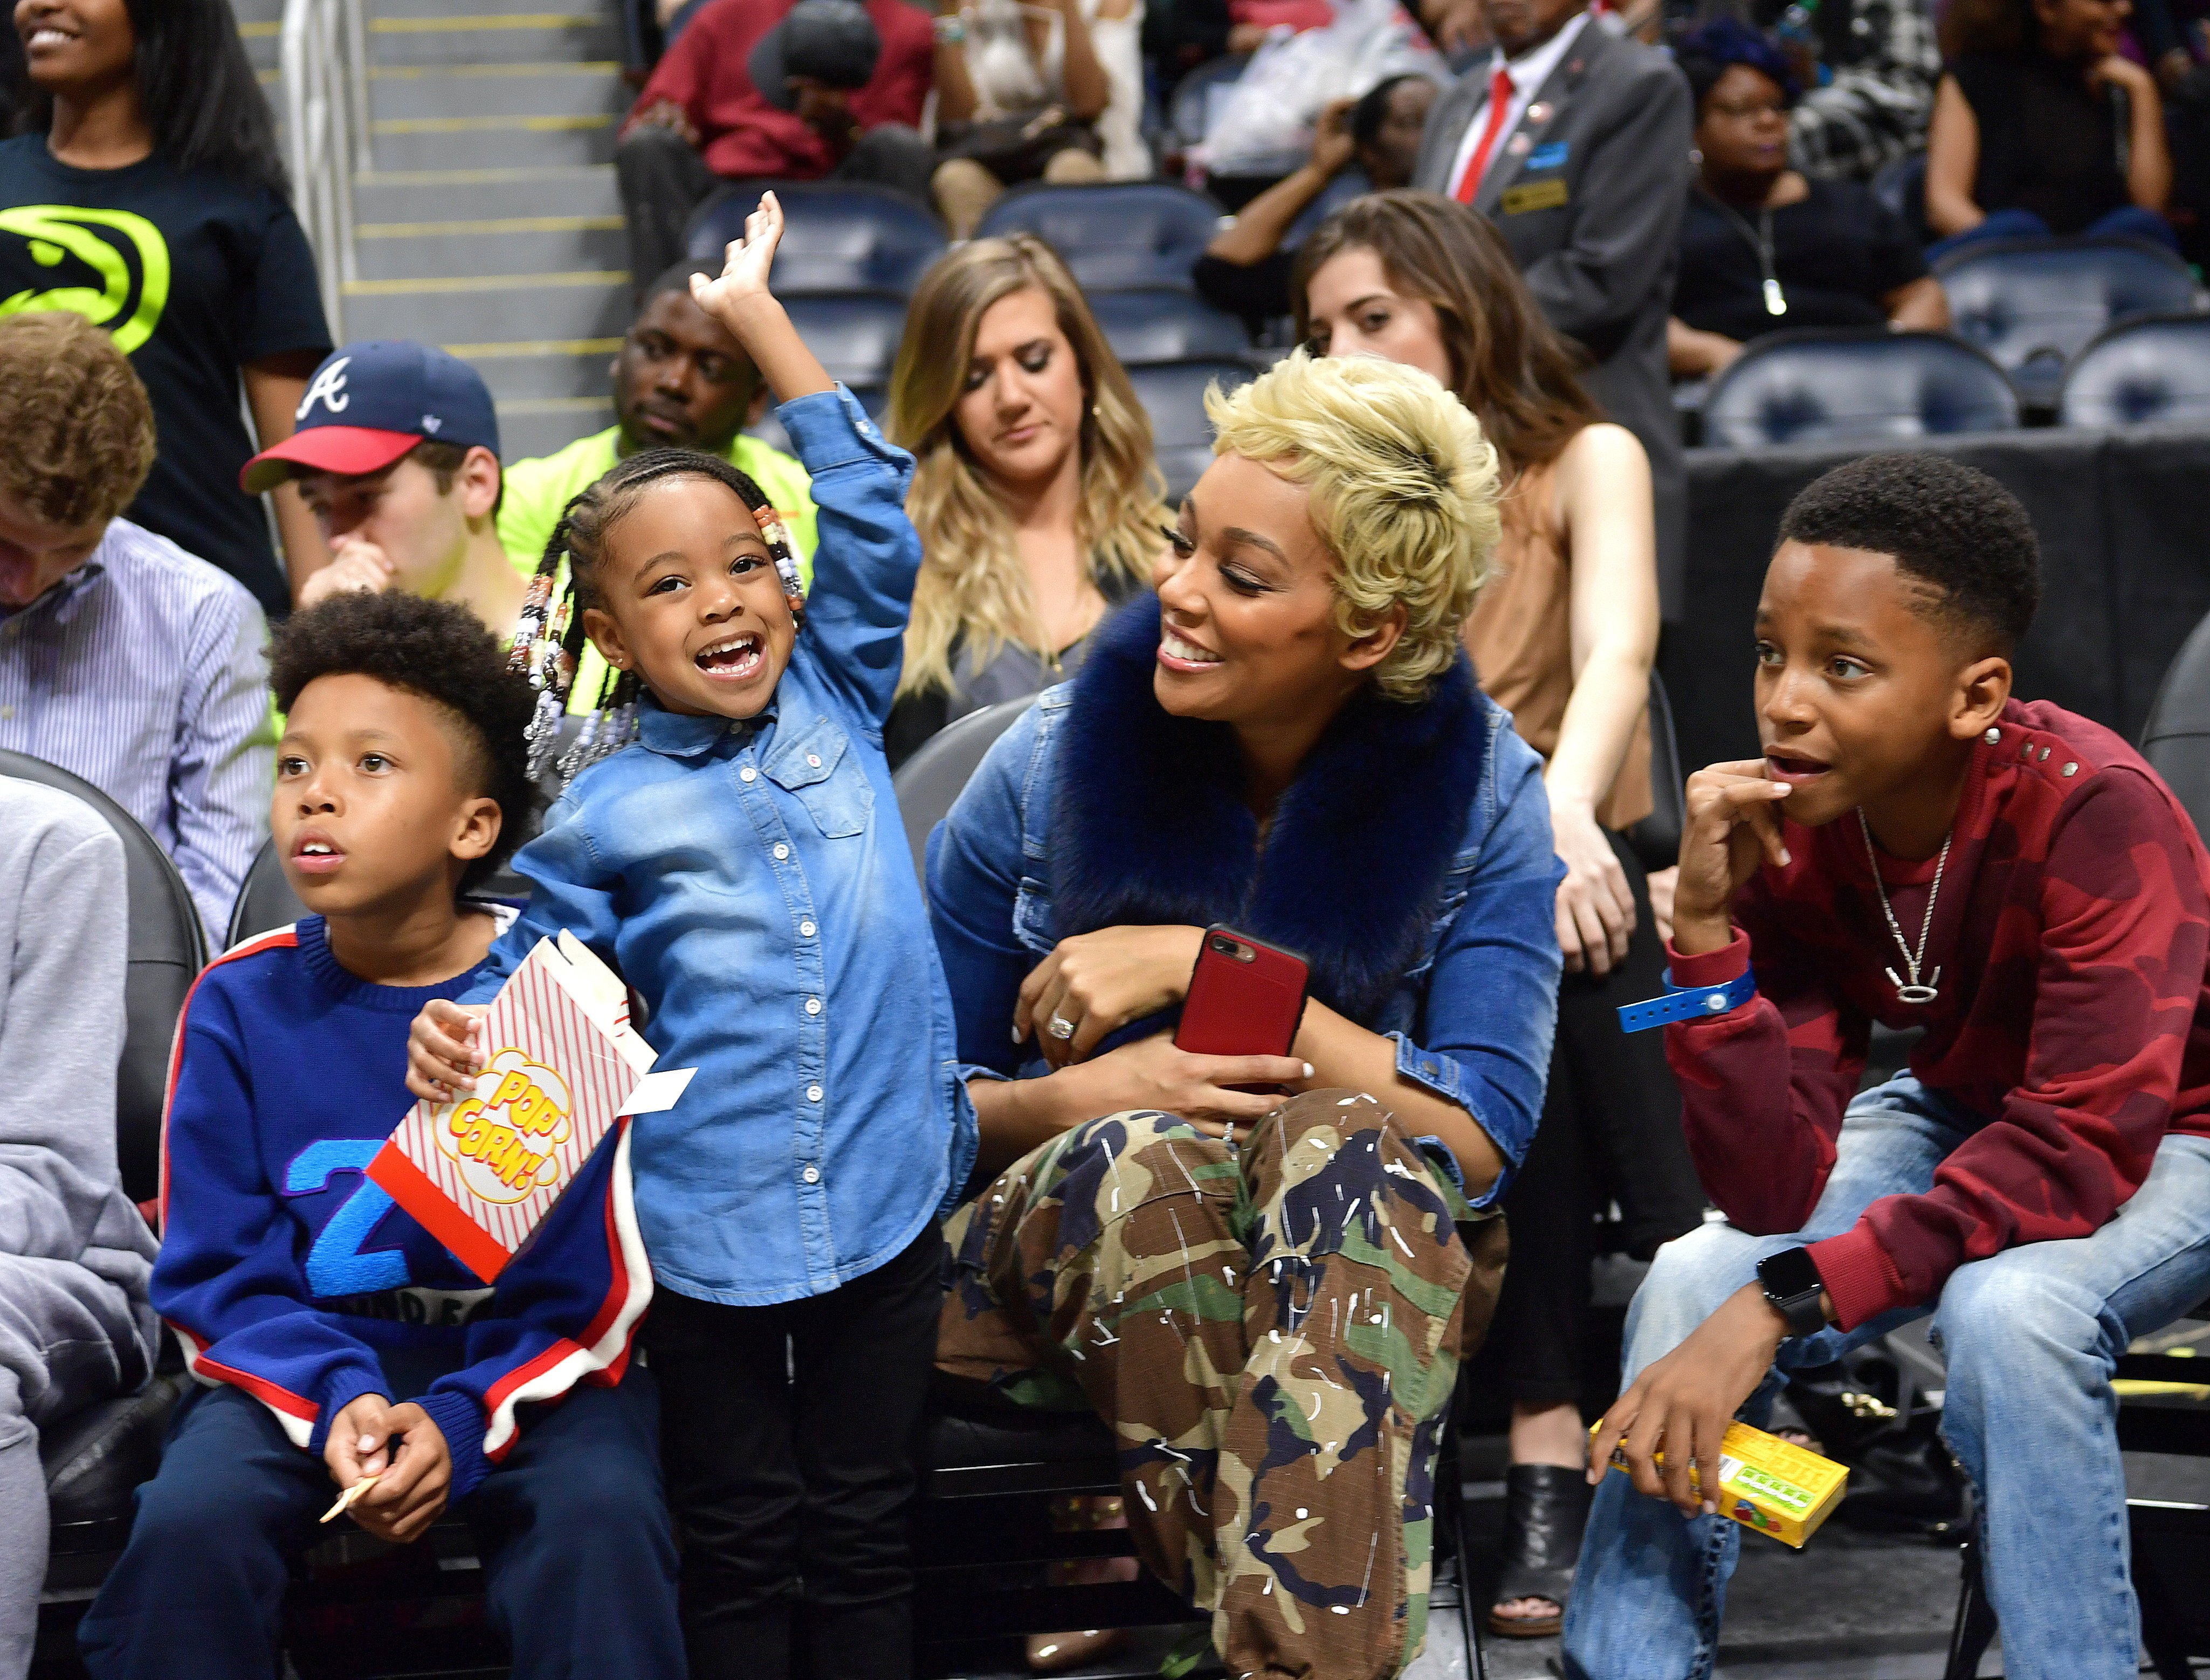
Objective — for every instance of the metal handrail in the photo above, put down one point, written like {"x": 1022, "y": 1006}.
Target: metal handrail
{"x": 323, "y": 55}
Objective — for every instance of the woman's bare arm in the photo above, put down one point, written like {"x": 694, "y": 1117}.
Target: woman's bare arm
{"x": 1921, "y": 306}
{"x": 273, "y": 390}
{"x": 1088, "y": 89}
{"x": 1953, "y": 158}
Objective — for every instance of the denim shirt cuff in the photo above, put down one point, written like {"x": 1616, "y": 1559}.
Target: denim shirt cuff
{"x": 1446, "y": 1080}
{"x": 966, "y": 1141}
{"x": 830, "y": 429}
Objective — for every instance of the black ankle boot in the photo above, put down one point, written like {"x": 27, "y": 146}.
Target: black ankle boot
{"x": 1546, "y": 1506}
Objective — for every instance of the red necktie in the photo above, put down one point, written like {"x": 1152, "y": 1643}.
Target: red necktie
{"x": 1500, "y": 102}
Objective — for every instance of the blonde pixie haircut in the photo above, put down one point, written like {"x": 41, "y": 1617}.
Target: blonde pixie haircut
{"x": 972, "y": 584}
{"x": 1403, "y": 492}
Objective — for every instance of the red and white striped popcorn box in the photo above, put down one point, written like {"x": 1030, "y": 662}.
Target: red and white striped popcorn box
{"x": 562, "y": 1068}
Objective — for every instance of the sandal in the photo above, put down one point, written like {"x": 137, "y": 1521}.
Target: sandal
{"x": 1546, "y": 1506}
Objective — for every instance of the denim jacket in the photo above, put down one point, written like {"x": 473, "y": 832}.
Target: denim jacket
{"x": 1473, "y": 1013}
{"x": 751, "y": 882}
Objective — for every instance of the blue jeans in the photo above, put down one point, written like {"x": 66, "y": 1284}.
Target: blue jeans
{"x": 2031, "y": 1336}
{"x": 2128, "y": 222}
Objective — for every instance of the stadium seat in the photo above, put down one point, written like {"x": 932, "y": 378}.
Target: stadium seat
{"x": 856, "y": 335}
{"x": 1189, "y": 108}
{"x": 1172, "y": 394}
{"x": 95, "y": 1457}
{"x": 928, "y": 782}
{"x": 838, "y": 236}
{"x": 1115, "y": 235}
{"x": 1167, "y": 326}
{"x": 2151, "y": 369}
{"x": 1851, "y": 384}
{"x": 2031, "y": 303}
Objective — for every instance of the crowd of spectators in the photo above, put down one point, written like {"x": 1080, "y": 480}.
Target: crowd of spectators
{"x": 1600, "y": 202}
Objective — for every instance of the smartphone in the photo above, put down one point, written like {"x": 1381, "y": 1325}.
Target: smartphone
{"x": 1245, "y": 997}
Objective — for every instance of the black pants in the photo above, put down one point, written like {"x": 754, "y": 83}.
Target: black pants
{"x": 787, "y": 1440}
{"x": 1611, "y": 1125}
{"x": 664, "y": 182}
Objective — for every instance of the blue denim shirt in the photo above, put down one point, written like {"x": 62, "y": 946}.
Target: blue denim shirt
{"x": 1473, "y": 1017}
{"x": 751, "y": 882}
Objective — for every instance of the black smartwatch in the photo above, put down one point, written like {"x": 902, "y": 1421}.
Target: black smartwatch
{"x": 1793, "y": 1285}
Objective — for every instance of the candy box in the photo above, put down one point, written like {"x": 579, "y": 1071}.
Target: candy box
{"x": 562, "y": 1068}
{"x": 1770, "y": 1484}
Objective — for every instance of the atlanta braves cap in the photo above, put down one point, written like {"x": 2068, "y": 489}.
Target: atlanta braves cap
{"x": 369, "y": 403}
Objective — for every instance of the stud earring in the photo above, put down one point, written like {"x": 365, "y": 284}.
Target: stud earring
{"x": 1992, "y": 737}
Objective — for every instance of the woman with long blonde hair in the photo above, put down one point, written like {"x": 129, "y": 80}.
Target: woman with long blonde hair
{"x": 1034, "y": 493}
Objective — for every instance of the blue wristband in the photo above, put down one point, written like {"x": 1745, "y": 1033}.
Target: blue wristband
{"x": 1688, "y": 1003}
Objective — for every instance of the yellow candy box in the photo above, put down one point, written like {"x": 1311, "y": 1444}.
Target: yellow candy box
{"x": 1770, "y": 1485}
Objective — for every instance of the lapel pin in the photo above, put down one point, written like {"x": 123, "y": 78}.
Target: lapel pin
{"x": 1518, "y": 145}
{"x": 1539, "y": 113}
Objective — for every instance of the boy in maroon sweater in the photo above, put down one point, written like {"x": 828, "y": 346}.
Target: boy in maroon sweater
{"x": 1917, "y": 849}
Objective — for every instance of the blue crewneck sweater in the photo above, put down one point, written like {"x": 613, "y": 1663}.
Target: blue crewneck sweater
{"x": 286, "y": 1273}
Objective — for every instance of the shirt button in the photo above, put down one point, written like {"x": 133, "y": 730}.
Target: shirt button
{"x": 781, "y": 851}
{"x": 811, "y": 1175}
{"x": 805, "y": 930}
{"x": 747, "y": 774}
{"x": 813, "y": 1005}
{"x": 814, "y": 760}
{"x": 7, "y": 712}
{"x": 813, "y": 1093}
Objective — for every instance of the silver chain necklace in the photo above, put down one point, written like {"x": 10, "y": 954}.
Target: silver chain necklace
{"x": 1913, "y": 992}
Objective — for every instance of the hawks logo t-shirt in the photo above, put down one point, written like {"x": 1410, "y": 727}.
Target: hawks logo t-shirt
{"x": 194, "y": 274}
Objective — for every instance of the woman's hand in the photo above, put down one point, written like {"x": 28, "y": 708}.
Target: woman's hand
{"x": 1595, "y": 906}
{"x": 1693, "y": 354}
{"x": 1151, "y": 1074}
{"x": 442, "y": 1059}
{"x": 665, "y": 114}
{"x": 1093, "y": 984}
{"x": 1733, "y": 823}
{"x": 1332, "y": 148}
{"x": 1684, "y": 1402}
{"x": 2118, "y": 71}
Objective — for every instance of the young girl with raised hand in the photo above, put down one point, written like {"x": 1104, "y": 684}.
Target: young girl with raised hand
{"x": 740, "y": 860}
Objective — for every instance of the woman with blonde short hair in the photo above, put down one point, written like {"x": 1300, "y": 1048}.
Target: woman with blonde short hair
{"x": 1267, "y": 1300}
{"x": 1033, "y": 491}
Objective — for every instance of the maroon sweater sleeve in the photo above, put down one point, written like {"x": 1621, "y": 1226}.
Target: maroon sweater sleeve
{"x": 1763, "y": 1087}
{"x": 2124, "y": 921}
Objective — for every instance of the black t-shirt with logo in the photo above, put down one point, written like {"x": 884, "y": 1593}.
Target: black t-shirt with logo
{"x": 194, "y": 274}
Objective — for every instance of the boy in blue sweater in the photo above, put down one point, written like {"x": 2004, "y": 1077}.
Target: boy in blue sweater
{"x": 333, "y": 1339}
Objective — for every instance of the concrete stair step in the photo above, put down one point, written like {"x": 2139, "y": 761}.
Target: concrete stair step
{"x": 443, "y": 34}
{"x": 453, "y": 194}
{"x": 524, "y": 245}
{"x": 532, "y": 426}
{"x": 591, "y": 88}
{"x": 491, "y": 142}
{"x": 589, "y": 304}
{"x": 523, "y": 369}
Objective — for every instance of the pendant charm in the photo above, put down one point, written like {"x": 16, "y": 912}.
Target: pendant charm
{"x": 1914, "y": 992}
{"x": 1775, "y": 302}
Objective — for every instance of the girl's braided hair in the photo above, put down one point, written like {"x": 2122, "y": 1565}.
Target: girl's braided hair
{"x": 550, "y": 639}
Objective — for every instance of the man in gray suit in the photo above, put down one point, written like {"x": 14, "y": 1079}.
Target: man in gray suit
{"x": 1575, "y": 142}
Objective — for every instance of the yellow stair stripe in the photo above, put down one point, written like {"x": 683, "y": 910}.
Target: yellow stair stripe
{"x": 395, "y": 288}
{"x": 485, "y": 124}
{"x": 428, "y": 25}
{"x": 556, "y": 405}
{"x": 420, "y": 230}
{"x": 510, "y": 349}
{"x": 417, "y": 72}
{"x": 461, "y": 177}
{"x": 260, "y": 32}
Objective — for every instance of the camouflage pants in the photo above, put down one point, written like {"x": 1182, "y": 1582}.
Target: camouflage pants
{"x": 1273, "y": 1336}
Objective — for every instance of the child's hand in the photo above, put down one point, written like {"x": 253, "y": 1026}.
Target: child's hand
{"x": 442, "y": 1059}
{"x": 1732, "y": 824}
{"x": 405, "y": 1452}
{"x": 744, "y": 268}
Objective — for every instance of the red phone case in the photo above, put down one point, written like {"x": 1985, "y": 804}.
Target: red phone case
{"x": 1244, "y": 1000}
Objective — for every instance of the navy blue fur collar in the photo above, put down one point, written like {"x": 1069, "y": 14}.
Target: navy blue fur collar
{"x": 1150, "y": 826}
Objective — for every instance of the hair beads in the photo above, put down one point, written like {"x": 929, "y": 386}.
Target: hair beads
{"x": 548, "y": 641}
